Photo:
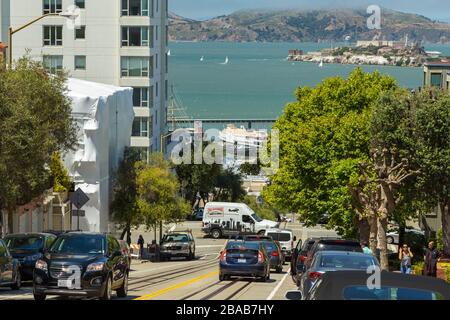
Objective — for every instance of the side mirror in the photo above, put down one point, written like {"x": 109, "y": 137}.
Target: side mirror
{"x": 294, "y": 295}
{"x": 295, "y": 238}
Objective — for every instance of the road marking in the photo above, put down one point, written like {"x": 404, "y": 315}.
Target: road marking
{"x": 275, "y": 290}
{"x": 177, "y": 286}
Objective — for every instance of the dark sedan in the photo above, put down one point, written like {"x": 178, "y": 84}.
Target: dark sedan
{"x": 28, "y": 248}
{"x": 352, "y": 285}
{"x": 326, "y": 261}
{"x": 244, "y": 259}
{"x": 82, "y": 264}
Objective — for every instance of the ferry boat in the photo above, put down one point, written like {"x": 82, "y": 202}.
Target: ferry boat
{"x": 243, "y": 137}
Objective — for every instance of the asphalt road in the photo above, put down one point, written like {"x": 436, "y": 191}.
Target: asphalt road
{"x": 197, "y": 279}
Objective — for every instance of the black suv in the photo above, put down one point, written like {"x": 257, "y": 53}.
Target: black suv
{"x": 82, "y": 264}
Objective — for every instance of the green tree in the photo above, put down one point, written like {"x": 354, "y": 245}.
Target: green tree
{"x": 228, "y": 186}
{"x": 59, "y": 174}
{"x": 323, "y": 138}
{"x": 35, "y": 122}
{"x": 417, "y": 126}
{"x": 124, "y": 205}
{"x": 158, "y": 188}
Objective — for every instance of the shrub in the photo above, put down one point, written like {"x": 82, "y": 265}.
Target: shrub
{"x": 60, "y": 175}
{"x": 447, "y": 274}
{"x": 439, "y": 241}
{"x": 418, "y": 267}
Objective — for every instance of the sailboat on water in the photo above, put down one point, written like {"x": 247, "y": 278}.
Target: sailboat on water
{"x": 202, "y": 59}
{"x": 168, "y": 53}
{"x": 226, "y": 60}
{"x": 321, "y": 64}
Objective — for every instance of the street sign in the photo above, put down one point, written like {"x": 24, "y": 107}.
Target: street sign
{"x": 79, "y": 198}
{"x": 78, "y": 213}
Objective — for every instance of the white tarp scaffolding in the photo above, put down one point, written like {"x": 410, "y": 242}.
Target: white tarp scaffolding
{"x": 104, "y": 115}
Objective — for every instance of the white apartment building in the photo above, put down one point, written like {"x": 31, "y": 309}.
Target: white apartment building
{"x": 118, "y": 42}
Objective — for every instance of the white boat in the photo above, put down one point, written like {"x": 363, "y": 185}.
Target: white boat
{"x": 243, "y": 137}
{"x": 202, "y": 58}
{"x": 226, "y": 60}
{"x": 168, "y": 53}
{"x": 321, "y": 64}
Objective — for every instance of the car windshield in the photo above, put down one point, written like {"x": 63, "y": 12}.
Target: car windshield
{"x": 389, "y": 293}
{"x": 346, "y": 262}
{"x": 280, "y": 236}
{"x": 26, "y": 243}
{"x": 340, "y": 246}
{"x": 243, "y": 246}
{"x": 79, "y": 245}
{"x": 176, "y": 238}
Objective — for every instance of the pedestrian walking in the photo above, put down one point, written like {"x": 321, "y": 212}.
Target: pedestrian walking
{"x": 366, "y": 248}
{"x": 141, "y": 246}
{"x": 431, "y": 258}
{"x": 405, "y": 256}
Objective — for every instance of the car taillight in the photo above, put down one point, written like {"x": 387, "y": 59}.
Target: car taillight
{"x": 275, "y": 254}
{"x": 302, "y": 258}
{"x": 313, "y": 275}
{"x": 260, "y": 257}
{"x": 223, "y": 255}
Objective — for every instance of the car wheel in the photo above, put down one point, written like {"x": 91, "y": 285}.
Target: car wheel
{"x": 279, "y": 269}
{"x": 390, "y": 239}
{"x": 108, "y": 290}
{"x": 18, "y": 283}
{"x": 222, "y": 277}
{"x": 122, "y": 292}
{"x": 216, "y": 234}
{"x": 39, "y": 297}
{"x": 261, "y": 233}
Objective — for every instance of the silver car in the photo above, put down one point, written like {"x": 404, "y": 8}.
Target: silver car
{"x": 178, "y": 244}
{"x": 325, "y": 261}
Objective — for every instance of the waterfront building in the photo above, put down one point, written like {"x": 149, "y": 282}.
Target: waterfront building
{"x": 437, "y": 74}
{"x": 117, "y": 42}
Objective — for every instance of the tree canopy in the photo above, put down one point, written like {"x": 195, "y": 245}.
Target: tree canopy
{"x": 35, "y": 122}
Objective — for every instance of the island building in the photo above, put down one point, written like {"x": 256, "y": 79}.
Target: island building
{"x": 437, "y": 74}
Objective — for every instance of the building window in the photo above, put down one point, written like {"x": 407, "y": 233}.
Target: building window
{"x": 53, "y": 36}
{"x": 135, "y": 36}
{"x": 53, "y": 64}
{"x": 136, "y": 67}
{"x": 141, "y": 97}
{"x": 157, "y": 5}
{"x": 436, "y": 79}
{"x": 156, "y": 61}
{"x": 167, "y": 36}
{"x": 80, "y": 33}
{"x": 156, "y": 33}
{"x": 80, "y": 4}
{"x": 167, "y": 89}
{"x": 80, "y": 62}
{"x": 140, "y": 127}
{"x": 135, "y": 7}
{"x": 52, "y": 6}
{"x": 157, "y": 88}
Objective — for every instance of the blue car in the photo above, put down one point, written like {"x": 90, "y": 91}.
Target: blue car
{"x": 244, "y": 259}
{"x": 27, "y": 248}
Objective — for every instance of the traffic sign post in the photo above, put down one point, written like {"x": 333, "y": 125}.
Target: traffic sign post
{"x": 78, "y": 199}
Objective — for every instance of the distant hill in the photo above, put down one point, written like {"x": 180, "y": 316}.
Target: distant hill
{"x": 312, "y": 25}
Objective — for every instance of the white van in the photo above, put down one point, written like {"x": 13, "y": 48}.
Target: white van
{"x": 286, "y": 239}
{"x": 227, "y": 218}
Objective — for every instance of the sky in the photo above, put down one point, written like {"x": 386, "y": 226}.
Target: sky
{"x": 205, "y": 9}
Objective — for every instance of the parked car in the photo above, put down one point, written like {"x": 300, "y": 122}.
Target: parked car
{"x": 125, "y": 248}
{"x": 393, "y": 237}
{"x": 286, "y": 239}
{"x": 178, "y": 244}
{"x": 326, "y": 261}
{"x": 352, "y": 285}
{"x": 82, "y": 264}
{"x": 299, "y": 255}
{"x": 28, "y": 248}
{"x": 9, "y": 269}
{"x": 331, "y": 244}
{"x": 244, "y": 258}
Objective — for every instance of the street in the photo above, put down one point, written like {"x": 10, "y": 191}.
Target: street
{"x": 198, "y": 279}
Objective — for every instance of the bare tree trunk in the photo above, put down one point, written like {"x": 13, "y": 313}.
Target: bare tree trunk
{"x": 445, "y": 211}
{"x": 382, "y": 229}
{"x": 373, "y": 227}
{"x": 363, "y": 230}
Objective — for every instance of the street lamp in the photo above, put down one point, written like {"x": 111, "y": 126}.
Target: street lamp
{"x": 68, "y": 14}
